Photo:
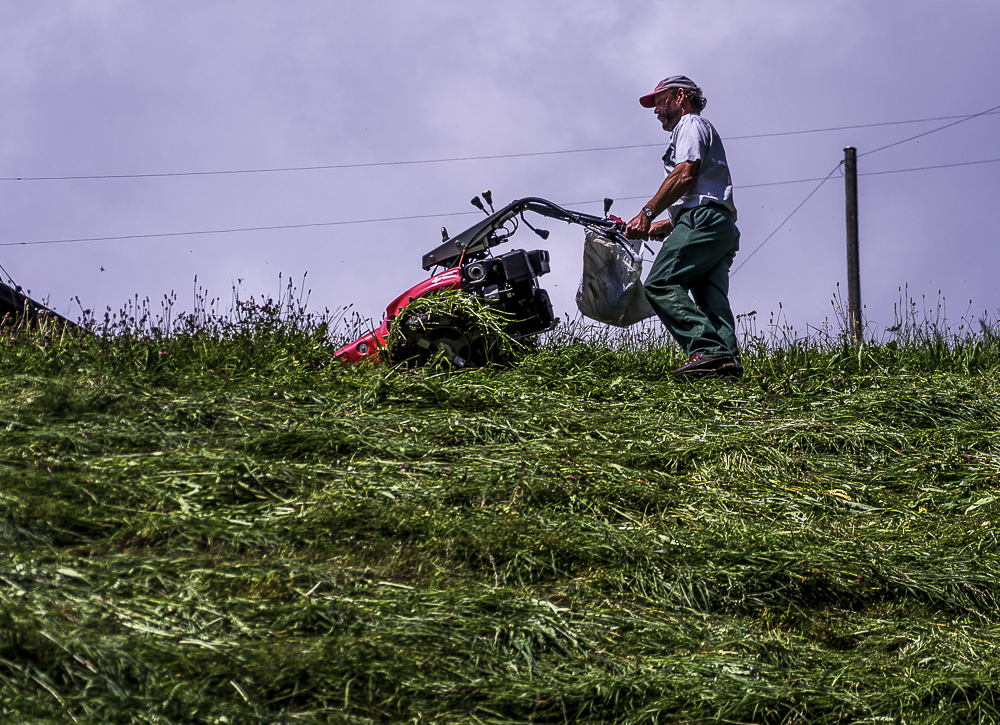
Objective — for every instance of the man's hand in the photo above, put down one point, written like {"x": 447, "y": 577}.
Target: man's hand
{"x": 673, "y": 188}
{"x": 639, "y": 227}
{"x": 659, "y": 231}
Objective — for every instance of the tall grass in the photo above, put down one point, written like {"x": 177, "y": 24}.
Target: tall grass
{"x": 204, "y": 520}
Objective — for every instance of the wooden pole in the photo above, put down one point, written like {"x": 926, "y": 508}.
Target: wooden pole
{"x": 853, "y": 266}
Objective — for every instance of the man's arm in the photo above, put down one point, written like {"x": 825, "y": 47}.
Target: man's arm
{"x": 672, "y": 189}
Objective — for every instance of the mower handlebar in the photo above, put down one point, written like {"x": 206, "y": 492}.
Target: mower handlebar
{"x": 477, "y": 237}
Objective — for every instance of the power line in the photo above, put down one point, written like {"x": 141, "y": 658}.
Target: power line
{"x": 323, "y": 167}
{"x": 375, "y": 164}
{"x": 868, "y": 153}
{"x": 783, "y": 223}
{"x": 860, "y": 126}
{"x": 280, "y": 227}
{"x": 928, "y": 133}
{"x": 931, "y": 168}
{"x": 875, "y": 173}
{"x": 232, "y": 231}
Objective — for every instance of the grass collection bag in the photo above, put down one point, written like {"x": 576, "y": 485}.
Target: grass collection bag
{"x": 611, "y": 288}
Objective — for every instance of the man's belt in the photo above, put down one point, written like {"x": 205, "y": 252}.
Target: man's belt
{"x": 717, "y": 205}
{"x": 711, "y": 205}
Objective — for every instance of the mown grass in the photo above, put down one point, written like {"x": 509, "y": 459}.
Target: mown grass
{"x": 208, "y": 522}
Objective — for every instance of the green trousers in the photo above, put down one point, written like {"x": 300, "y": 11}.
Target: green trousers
{"x": 696, "y": 258}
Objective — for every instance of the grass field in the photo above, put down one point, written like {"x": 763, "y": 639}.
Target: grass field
{"x": 208, "y": 522}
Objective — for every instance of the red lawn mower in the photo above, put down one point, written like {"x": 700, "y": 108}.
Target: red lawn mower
{"x": 506, "y": 283}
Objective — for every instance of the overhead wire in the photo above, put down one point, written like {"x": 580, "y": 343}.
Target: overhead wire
{"x": 277, "y": 227}
{"x": 860, "y": 126}
{"x": 786, "y": 219}
{"x": 280, "y": 227}
{"x": 867, "y": 153}
{"x": 928, "y": 133}
{"x": 955, "y": 120}
{"x": 374, "y": 164}
{"x": 960, "y": 119}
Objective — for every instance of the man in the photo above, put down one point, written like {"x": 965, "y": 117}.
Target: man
{"x": 699, "y": 236}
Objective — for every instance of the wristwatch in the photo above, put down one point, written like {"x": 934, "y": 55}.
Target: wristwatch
{"x": 648, "y": 212}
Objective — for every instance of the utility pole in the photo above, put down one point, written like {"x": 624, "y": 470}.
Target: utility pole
{"x": 853, "y": 266}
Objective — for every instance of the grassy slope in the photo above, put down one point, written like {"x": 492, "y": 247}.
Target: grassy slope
{"x": 201, "y": 531}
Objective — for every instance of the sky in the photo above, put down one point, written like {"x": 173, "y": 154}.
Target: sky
{"x": 406, "y": 98}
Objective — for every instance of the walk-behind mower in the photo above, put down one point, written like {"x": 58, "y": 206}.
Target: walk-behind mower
{"x": 505, "y": 287}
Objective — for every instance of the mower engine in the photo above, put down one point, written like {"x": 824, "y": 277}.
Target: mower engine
{"x": 510, "y": 283}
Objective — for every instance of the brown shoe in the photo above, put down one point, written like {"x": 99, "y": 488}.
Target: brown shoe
{"x": 703, "y": 366}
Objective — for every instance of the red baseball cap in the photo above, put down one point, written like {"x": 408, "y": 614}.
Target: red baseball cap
{"x": 671, "y": 82}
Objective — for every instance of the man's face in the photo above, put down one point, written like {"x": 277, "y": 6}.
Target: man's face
{"x": 668, "y": 108}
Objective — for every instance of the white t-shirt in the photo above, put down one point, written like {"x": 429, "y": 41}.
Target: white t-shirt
{"x": 695, "y": 139}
